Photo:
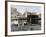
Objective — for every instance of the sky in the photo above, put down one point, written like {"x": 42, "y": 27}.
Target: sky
{"x": 22, "y": 8}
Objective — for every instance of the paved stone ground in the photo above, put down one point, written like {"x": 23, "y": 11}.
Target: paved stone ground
{"x": 25, "y": 28}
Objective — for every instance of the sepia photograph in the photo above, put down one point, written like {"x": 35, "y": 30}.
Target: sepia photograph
{"x": 25, "y": 18}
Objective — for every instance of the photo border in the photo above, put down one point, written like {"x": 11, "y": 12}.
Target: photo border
{"x": 6, "y": 18}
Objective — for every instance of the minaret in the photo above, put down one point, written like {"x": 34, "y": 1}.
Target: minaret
{"x": 26, "y": 10}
